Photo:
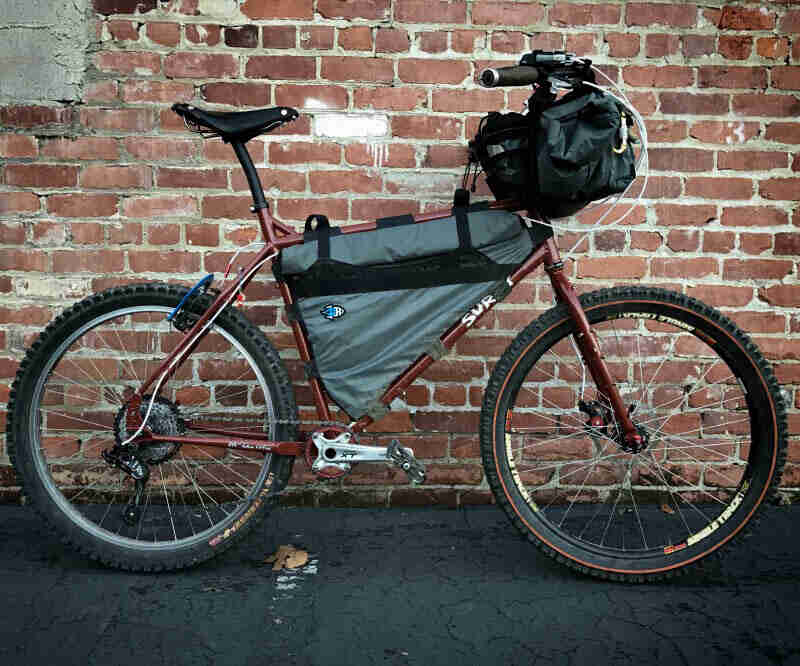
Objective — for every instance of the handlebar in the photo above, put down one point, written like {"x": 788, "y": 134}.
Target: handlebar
{"x": 516, "y": 75}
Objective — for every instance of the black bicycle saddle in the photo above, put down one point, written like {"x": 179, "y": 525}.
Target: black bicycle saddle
{"x": 238, "y": 126}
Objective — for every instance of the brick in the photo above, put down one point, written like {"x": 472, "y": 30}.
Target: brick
{"x": 23, "y": 260}
{"x": 682, "y": 240}
{"x": 748, "y": 216}
{"x": 163, "y": 234}
{"x": 688, "y": 103}
{"x": 612, "y": 267}
{"x": 681, "y": 159}
{"x": 665, "y": 131}
{"x": 787, "y": 244}
{"x": 784, "y": 189}
{"x": 713, "y": 131}
{"x": 13, "y": 233}
{"x": 506, "y": 13}
{"x": 569, "y": 14}
{"x": 766, "y": 105}
{"x": 89, "y": 261}
{"x": 751, "y": 160}
{"x": 673, "y": 214}
{"x": 392, "y": 40}
{"x": 137, "y": 92}
{"x": 622, "y": 45}
{"x": 208, "y": 34}
{"x": 745, "y": 18}
{"x": 242, "y": 37}
{"x": 353, "y": 9}
{"x": 190, "y": 65}
{"x": 107, "y": 7}
{"x": 101, "y": 91}
{"x": 509, "y": 42}
{"x": 659, "y": 46}
{"x": 667, "y": 76}
{"x": 781, "y": 295}
{"x": 673, "y": 267}
{"x": 278, "y": 36}
{"x": 116, "y": 177}
{"x": 123, "y": 30}
{"x": 18, "y": 145}
{"x": 466, "y": 41}
{"x": 426, "y": 127}
{"x": 129, "y": 62}
{"x": 783, "y": 132}
{"x": 756, "y": 269}
{"x": 660, "y": 187}
{"x": 583, "y": 44}
{"x": 166, "y": 34}
{"x": 459, "y": 101}
{"x": 755, "y": 243}
{"x": 719, "y": 188}
{"x": 303, "y": 152}
{"x": 311, "y": 97}
{"x": 133, "y": 120}
{"x": 144, "y": 261}
{"x": 236, "y": 94}
{"x": 41, "y": 175}
{"x": 156, "y": 149}
{"x": 372, "y": 209}
{"x": 718, "y": 295}
{"x": 718, "y": 242}
{"x": 160, "y": 206}
{"x": 444, "y": 156}
{"x": 731, "y": 77}
{"x": 786, "y": 78}
{"x": 230, "y": 206}
{"x": 432, "y": 11}
{"x": 357, "y": 38}
{"x": 316, "y": 37}
{"x": 790, "y": 21}
{"x": 414, "y": 70}
{"x": 278, "y": 9}
{"x": 336, "y": 68}
{"x": 735, "y": 47}
{"x": 694, "y": 46}
{"x": 300, "y": 209}
{"x": 33, "y": 116}
{"x": 328, "y": 182}
{"x": 677, "y": 15}
{"x": 192, "y": 178}
{"x": 772, "y": 47}
{"x": 80, "y": 148}
{"x": 645, "y": 240}
{"x": 82, "y": 205}
{"x": 406, "y": 98}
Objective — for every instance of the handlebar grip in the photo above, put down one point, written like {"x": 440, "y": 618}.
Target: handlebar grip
{"x": 516, "y": 75}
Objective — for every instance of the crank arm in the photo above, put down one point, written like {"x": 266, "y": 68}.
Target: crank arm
{"x": 342, "y": 452}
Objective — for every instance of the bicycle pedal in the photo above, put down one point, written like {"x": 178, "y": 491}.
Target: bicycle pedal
{"x": 404, "y": 458}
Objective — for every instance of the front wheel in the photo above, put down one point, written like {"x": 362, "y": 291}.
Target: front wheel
{"x": 701, "y": 395}
{"x": 68, "y": 407}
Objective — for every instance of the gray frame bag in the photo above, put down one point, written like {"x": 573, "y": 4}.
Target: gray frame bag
{"x": 373, "y": 302}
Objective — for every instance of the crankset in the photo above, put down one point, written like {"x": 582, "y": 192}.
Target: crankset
{"x": 337, "y": 450}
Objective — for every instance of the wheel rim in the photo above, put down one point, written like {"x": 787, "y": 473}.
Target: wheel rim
{"x": 199, "y": 492}
{"x": 583, "y": 493}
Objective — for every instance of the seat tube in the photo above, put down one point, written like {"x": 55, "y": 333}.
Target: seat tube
{"x": 587, "y": 344}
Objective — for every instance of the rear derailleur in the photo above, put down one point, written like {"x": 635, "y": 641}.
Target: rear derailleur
{"x": 332, "y": 451}
{"x": 122, "y": 458}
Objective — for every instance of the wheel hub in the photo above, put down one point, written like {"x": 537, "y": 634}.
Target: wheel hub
{"x": 164, "y": 419}
{"x": 601, "y": 421}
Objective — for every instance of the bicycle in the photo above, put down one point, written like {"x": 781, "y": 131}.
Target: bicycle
{"x": 655, "y": 462}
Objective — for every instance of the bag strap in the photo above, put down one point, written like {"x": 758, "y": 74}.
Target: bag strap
{"x": 460, "y": 203}
{"x": 322, "y": 234}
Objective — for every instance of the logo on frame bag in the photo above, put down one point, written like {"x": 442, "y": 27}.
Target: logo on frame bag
{"x": 332, "y": 311}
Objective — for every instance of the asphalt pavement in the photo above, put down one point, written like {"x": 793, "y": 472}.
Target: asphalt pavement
{"x": 389, "y": 586}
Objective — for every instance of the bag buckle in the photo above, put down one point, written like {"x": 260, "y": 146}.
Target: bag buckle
{"x": 623, "y": 134}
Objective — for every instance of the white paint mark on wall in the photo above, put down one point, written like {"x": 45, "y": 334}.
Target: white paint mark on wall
{"x": 312, "y": 103}
{"x": 379, "y": 153}
{"x": 739, "y": 132}
{"x": 351, "y": 124}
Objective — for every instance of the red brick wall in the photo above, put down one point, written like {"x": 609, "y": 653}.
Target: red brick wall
{"x": 114, "y": 189}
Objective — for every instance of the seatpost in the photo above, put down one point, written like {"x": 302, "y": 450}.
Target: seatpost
{"x": 260, "y": 206}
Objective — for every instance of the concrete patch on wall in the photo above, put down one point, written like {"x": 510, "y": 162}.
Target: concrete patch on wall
{"x": 42, "y": 49}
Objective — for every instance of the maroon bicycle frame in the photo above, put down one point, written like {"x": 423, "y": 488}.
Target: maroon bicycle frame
{"x": 278, "y": 236}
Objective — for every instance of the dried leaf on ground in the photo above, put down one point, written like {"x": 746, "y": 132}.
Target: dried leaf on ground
{"x": 666, "y": 508}
{"x": 287, "y": 557}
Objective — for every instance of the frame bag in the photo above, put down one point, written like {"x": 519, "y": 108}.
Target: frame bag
{"x": 373, "y": 302}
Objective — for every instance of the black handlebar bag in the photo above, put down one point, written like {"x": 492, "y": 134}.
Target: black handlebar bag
{"x": 561, "y": 156}
{"x": 372, "y": 302}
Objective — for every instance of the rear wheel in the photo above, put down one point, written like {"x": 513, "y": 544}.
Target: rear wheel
{"x": 701, "y": 395}
{"x": 68, "y": 406}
